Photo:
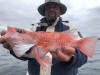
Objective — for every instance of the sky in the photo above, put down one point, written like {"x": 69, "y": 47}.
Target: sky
{"x": 83, "y": 14}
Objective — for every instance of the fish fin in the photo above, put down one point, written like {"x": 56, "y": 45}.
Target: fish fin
{"x": 46, "y": 59}
{"x": 70, "y": 33}
{"x": 43, "y": 61}
{"x": 87, "y": 45}
{"x": 39, "y": 60}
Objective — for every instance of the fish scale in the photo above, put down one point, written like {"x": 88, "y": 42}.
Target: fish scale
{"x": 44, "y": 42}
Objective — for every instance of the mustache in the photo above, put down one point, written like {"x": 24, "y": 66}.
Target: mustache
{"x": 52, "y": 13}
{"x": 52, "y": 16}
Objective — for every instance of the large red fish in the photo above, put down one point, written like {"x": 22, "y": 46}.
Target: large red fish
{"x": 43, "y": 42}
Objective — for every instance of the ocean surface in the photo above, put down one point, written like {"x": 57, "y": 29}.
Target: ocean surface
{"x": 12, "y": 66}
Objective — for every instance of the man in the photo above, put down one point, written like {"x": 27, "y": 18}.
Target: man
{"x": 65, "y": 61}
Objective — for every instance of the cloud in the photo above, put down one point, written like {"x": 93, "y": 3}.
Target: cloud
{"x": 18, "y": 11}
{"x": 83, "y": 13}
{"x": 89, "y": 22}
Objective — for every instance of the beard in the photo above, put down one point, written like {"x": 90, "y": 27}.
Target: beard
{"x": 51, "y": 16}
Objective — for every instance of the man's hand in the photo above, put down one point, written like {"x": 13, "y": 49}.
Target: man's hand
{"x": 65, "y": 54}
{"x": 2, "y": 41}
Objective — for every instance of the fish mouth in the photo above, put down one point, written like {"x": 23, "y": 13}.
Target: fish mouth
{"x": 29, "y": 53}
{"x": 30, "y": 50}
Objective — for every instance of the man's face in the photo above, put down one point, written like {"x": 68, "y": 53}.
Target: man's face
{"x": 52, "y": 11}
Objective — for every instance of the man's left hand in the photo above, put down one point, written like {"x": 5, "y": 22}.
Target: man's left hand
{"x": 65, "y": 54}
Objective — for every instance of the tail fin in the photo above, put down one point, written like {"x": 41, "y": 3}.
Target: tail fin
{"x": 87, "y": 45}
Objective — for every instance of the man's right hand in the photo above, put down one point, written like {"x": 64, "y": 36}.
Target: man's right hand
{"x": 2, "y": 41}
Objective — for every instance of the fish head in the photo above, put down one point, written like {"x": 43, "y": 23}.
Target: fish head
{"x": 20, "y": 40}
{"x": 18, "y": 33}
{"x": 31, "y": 52}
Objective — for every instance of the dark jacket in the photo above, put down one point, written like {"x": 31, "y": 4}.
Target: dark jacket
{"x": 58, "y": 68}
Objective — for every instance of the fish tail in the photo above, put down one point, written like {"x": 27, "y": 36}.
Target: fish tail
{"x": 87, "y": 45}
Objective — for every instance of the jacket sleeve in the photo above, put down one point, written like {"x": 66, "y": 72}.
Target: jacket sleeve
{"x": 78, "y": 59}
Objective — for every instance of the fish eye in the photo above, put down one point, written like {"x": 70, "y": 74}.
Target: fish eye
{"x": 20, "y": 31}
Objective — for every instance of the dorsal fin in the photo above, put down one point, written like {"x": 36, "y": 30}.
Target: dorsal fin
{"x": 71, "y": 34}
